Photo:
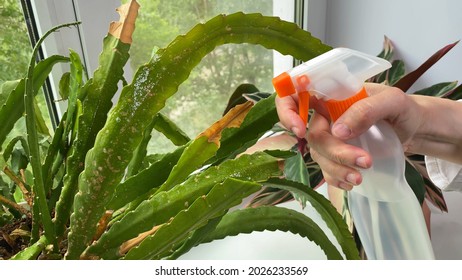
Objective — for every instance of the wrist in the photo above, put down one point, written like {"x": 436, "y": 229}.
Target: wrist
{"x": 438, "y": 131}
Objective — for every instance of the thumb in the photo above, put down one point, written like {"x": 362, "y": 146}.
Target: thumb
{"x": 385, "y": 105}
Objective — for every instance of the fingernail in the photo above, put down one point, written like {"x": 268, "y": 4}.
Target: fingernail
{"x": 340, "y": 130}
{"x": 361, "y": 162}
{"x": 352, "y": 178}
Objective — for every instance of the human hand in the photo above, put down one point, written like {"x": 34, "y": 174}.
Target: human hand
{"x": 339, "y": 161}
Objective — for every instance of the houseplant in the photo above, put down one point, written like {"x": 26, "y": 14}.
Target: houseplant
{"x": 94, "y": 193}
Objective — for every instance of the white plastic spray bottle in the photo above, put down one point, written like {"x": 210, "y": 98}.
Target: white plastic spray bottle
{"x": 385, "y": 211}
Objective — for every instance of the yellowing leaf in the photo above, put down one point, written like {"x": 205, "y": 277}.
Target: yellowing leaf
{"x": 233, "y": 118}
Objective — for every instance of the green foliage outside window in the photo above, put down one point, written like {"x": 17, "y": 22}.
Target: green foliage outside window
{"x": 204, "y": 95}
{"x": 15, "y": 50}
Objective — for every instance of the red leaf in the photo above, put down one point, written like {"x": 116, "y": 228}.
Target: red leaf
{"x": 407, "y": 81}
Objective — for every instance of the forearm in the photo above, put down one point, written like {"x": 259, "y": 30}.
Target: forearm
{"x": 440, "y": 131}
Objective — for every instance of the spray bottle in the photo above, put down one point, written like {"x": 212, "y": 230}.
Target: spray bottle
{"x": 385, "y": 211}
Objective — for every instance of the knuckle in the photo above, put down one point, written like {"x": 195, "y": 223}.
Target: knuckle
{"x": 363, "y": 110}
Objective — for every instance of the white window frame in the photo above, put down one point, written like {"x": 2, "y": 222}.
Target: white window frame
{"x": 86, "y": 39}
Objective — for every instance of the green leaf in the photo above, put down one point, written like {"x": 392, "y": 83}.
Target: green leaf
{"x": 168, "y": 128}
{"x": 396, "y": 72}
{"x": 205, "y": 145}
{"x": 38, "y": 189}
{"x": 6, "y": 88}
{"x": 325, "y": 209}
{"x": 164, "y": 205}
{"x": 438, "y": 90}
{"x": 222, "y": 197}
{"x": 75, "y": 84}
{"x": 54, "y": 155}
{"x": 259, "y": 120}
{"x": 164, "y": 125}
{"x": 192, "y": 159}
{"x": 19, "y": 160}
{"x": 63, "y": 87}
{"x": 9, "y": 148}
{"x": 96, "y": 106}
{"x": 295, "y": 170}
{"x": 273, "y": 218}
{"x": 257, "y": 96}
{"x": 145, "y": 181}
{"x": 140, "y": 152}
{"x": 196, "y": 238}
{"x": 237, "y": 96}
{"x": 40, "y": 122}
{"x": 455, "y": 94}
{"x": 13, "y": 108}
{"x": 97, "y": 93}
{"x": 415, "y": 181}
{"x": 33, "y": 251}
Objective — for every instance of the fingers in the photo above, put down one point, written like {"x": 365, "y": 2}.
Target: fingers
{"x": 287, "y": 109}
{"x": 339, "y": 161}
{"x": 384, "y": 103}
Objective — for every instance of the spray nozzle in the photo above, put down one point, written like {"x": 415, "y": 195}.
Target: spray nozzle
{"x": 336, "y": 75}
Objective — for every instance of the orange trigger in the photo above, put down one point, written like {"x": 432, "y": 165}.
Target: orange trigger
{"x": 303, "y": 105}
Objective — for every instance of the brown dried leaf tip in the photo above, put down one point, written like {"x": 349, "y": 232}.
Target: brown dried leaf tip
{"x": 124, "y": 28}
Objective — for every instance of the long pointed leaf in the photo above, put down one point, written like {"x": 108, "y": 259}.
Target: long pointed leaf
{"x": 33, "y": 251}
{"x": 54, "y": 151}
{"x": 165, "y": 126}
{"x": 164, "y": 205}
{"x": 140, "y": 152}
{"x": 327, "y": 212}
{"x": 168, "y": 128}
{"x": 407, "y": 81}
{"x": 75, "y": 83}
{"x": 438, "y": 90}
{"x": 97, "y": 102}
{"x": 40, "y": 202}
{"x": 196, "y": 238}
{"x": 222, "y": 197}
{"x": 145, "y": 181}
{"x": 273, "y": 218}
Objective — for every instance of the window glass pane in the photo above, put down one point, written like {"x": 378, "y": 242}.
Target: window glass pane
{"x": 15, "y": 51}
{"x": 202, "y": 98}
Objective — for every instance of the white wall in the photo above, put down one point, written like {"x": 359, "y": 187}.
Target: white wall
{"x": 418, "y": 28}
